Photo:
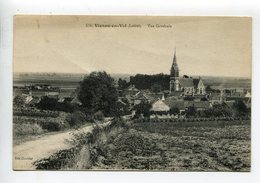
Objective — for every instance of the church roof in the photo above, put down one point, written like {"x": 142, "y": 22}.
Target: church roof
{"x": 196, "y": 82}
{"x": 186, "y": 82}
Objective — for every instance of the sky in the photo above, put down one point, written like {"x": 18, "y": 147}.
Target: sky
{"x": 211, "y": 46}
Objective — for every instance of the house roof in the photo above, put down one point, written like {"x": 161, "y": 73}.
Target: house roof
{"x": 35, "y": 100}
{"x": 175, "y": 103}
{"x": 75, "y": 100}
{"x": 143, "y": 95}
{"x": 214, "y": 96}
{"x": 160, "y": 106}
{"x": 248, "y": 95}
{"x": 132, "y": 88}
{"x": 229, "y": 103}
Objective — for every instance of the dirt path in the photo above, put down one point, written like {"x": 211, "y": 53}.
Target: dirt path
{"x": 26, "y": 153}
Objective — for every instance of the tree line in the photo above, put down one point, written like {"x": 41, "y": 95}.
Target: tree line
{"x": 145, "y": 81}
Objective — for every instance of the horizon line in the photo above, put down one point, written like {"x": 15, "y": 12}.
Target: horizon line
{"x": 79, "y": 73}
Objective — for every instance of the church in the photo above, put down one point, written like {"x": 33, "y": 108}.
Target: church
{"x": 185, "y": 85}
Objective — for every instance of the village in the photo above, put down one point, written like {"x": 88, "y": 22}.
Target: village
{"x": 184, "y": 93}
{"x": 148, "y": 122}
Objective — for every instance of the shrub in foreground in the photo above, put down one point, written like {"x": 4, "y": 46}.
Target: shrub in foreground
{"x": 27, "y": 129}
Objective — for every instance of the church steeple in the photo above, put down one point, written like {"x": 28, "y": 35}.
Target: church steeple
{"x": 174, "y": 68}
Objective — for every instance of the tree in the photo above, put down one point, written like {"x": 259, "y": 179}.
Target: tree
{"x": 122, "y": 84}
{"x": 208, "y": 89}
{"x": 144, "y": 81}
{"x": 174, "y": 110}
{"x": 47, "y": 103}
{"x": 218, "y": 110}
{"x": 241, "y": 108}
{"x": 143, "y": 108}
{"x": 191, "y": 111}
{"x": 77, "y": 119}
{"x": 97, "y": 92}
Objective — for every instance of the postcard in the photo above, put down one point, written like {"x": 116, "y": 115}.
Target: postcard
{"x": 132, "y": 93}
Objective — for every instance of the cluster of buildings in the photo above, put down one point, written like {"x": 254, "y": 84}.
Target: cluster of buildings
{"x": 33, "y": 94}
{"x": 184, "y": 92}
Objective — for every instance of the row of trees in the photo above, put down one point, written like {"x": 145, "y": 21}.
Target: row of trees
{"x": 239, "y": 109}
{"x": 156, "y": 82}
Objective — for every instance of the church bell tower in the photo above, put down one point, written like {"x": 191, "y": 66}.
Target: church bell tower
{"x": 174, "y": 68}
{"x": 174, "y": 75}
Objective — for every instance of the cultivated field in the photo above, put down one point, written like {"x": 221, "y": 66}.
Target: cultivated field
{"x": 166, "y": 147}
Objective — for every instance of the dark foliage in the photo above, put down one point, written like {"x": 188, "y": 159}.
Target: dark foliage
{"x": 19, "y": 101}
{"x": 144, "y": 81}
{"x": 188, "y": 98}
{"x": 47, "y": 103}
{"x": 76, "y": 119}
{"x": 97, "y": 92}
{"x": 174, "y": 110}
{"x": 218, "y": 110}
{"x": 191, "y": 111}
{"x": 122, "y": 84}
{"x": 143, "y": 108}
{"x": 98, "y": 116}
{"x": 241, "y": 108}
{"x": 51, "y": 126}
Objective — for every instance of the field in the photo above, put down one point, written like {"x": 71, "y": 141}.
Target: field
{"x": 30, "y": 122}
{"x": 165, "y": 147}
{"x": 67, "y": 80}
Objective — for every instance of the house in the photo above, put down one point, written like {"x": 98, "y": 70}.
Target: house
{"x": 27, "y": 98}
{"x": 75, "y": 100}
{"x": 131, "y": 90}
{"x": 34, "y": 101}
{"x": 170, "y": 103}
{"x": 215, "y": 98}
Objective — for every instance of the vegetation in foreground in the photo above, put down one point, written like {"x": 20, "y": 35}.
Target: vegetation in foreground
{"x": 169, "y": 148}
{"x": 158, "y": 147}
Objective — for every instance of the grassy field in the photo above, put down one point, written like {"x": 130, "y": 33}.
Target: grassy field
{"x": 169, "y": 148}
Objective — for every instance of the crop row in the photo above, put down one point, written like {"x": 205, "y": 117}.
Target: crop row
{"x": 32, "y": 112}
{"x": 173, "y": 120}
{"x": 59, "y": 160}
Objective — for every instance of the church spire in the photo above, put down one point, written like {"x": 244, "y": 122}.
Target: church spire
{"x": 174, "y": 68}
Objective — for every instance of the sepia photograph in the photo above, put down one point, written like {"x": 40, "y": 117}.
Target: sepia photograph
{"x": 132, "y": 93}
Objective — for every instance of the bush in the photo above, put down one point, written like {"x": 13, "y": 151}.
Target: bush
{"x": 27, "y": 129}
{"x": 174, "y": 110}
{"x": 99, "y": 116}
{"x": 19, "y": 101}
{"x": 52, "y": 126}
{"x": 77, "y": 119}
